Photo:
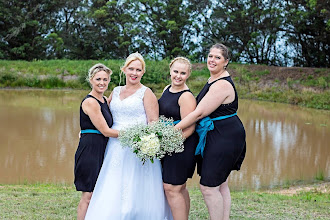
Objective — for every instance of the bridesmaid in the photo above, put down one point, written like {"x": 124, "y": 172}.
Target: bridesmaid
{"x": 95, "y": 123}
{"x": 222, "y": 135}
{"x": 176, "y": 102}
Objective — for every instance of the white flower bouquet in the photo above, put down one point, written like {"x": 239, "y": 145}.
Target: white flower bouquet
{"x": 154, "y": 140}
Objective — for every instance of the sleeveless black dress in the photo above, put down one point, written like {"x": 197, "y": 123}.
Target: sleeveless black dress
{"x": 225, "y": 145}
{"x": 90, "y": 153}
{"x": 178, "y": 167}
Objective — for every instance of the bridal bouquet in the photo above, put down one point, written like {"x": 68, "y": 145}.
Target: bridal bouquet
{"x": 154, "y": 140}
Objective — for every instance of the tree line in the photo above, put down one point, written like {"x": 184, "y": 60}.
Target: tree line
{"x": 270, "y": 32}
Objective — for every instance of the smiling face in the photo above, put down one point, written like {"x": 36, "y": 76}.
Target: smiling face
{"x": 134, "y": 72}
{"x": 100, "y": 81}
{"x": 216, "y": 62}
{"x": 179, "y": 72}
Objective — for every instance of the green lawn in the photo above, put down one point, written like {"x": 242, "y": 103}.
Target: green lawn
{"x": 50, "y": 201}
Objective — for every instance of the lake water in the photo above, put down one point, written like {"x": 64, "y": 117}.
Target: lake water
{"x": 39, "y": 136}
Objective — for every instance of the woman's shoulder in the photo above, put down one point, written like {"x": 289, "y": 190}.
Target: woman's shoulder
{"x": 223, "y": 86}
{"x": 144, "y": 89}
{"x": 166, "y": 87}
{"x": 90, "y": 102}
{"x": 224, "y": 82}
{"x": 147, "y": 92}
{"x": 187, "y": 95}
{"x": 117, "y": 88}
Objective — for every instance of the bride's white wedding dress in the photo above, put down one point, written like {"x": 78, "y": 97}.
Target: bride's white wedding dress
{"x": 126, "y": 189}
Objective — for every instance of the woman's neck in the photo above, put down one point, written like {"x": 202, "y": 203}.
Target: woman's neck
{"x": 218, "y": 75}
{"x": 133, "y": 86}
{"x": 175, "y": 88}
{"x": 97, "y": 95}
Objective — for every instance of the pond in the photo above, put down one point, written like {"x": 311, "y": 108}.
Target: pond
{"x": 39, "y": 136}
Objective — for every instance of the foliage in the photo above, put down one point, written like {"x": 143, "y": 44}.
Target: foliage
{"x": 168, "y": 27}
{"x": 274, "y": 32}
{"x": 249, "y": 28}
{"x": 307, "y": 29}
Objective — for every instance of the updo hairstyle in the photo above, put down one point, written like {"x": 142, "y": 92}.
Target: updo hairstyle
{"x": 224, "y": 51}
{"x": 97, "y": 68}
{"x": 132, "y": 57}
{"x": 182, "y": 60}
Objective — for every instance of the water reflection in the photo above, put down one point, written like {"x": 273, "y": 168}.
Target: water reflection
{"x": 38, "y": 139}
{"x": 284, "y": 143}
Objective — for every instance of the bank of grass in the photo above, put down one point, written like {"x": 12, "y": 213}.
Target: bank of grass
{"x": 307, "y": 87}
{"x": 57, "y": 201}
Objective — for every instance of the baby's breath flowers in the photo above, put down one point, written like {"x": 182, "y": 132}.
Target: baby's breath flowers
{"x": 154, "y": 140}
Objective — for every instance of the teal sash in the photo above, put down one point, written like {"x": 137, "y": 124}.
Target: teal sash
{"x": 90, "y": 131}
{"x": 205, "y": 125}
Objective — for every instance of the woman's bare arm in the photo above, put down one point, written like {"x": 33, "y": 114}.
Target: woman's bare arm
{"x": 187, "y": 103}
{"x": 109, "y": 98}
{"x": 92, "y": 108}
{"x": 151, "y": 105}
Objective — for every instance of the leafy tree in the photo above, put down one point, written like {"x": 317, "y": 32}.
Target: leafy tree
{"x": 166, "y": 27}
{"x": 76, "y": 30}
{"x": 23, "y": 25}
{"x": 249, "y": 28}
{"x": 308, "y": 31}
{"x": 115, "y": 28}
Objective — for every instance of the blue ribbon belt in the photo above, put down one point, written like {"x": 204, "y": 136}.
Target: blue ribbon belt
{"x": 90, "y": 131}
{"x": 205, "y": 125}
{"x": 176, "y": 122}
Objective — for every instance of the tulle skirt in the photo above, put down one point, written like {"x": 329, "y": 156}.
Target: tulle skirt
{"x": 126, "y": 189}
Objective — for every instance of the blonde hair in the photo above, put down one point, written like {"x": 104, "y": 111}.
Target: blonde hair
{"x": 97, "y": 68}
{"x": 181, "y": 60}
{"x": 132, "y": 57}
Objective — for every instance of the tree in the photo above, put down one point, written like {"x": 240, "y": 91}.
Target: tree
{"x": 308, "y": 31}
{"x": 23, "y": 26}
{"x": 115, "y": 28}
{"x": 167, "y": 27}
{"x": 249, "y": 28}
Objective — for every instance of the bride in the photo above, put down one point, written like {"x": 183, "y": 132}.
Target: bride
{"x": 126, "y": 189}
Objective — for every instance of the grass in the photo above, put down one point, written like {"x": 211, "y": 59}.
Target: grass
{"x": 252, "y": 81}
{"x": 59, "y": 201}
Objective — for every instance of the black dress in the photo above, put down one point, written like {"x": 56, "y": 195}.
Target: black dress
{"x": 225, "y": 145}
{"x": 90, "y": 153}
{"x": 178, "y": 167}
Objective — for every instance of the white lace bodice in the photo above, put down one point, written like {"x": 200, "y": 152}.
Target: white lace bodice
{"x": 128, "y": 111}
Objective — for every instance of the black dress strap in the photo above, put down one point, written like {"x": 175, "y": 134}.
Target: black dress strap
{"x": 222, "y": 78}
{"x": 97, "y": 99}
{"x": 186, "y": 90}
